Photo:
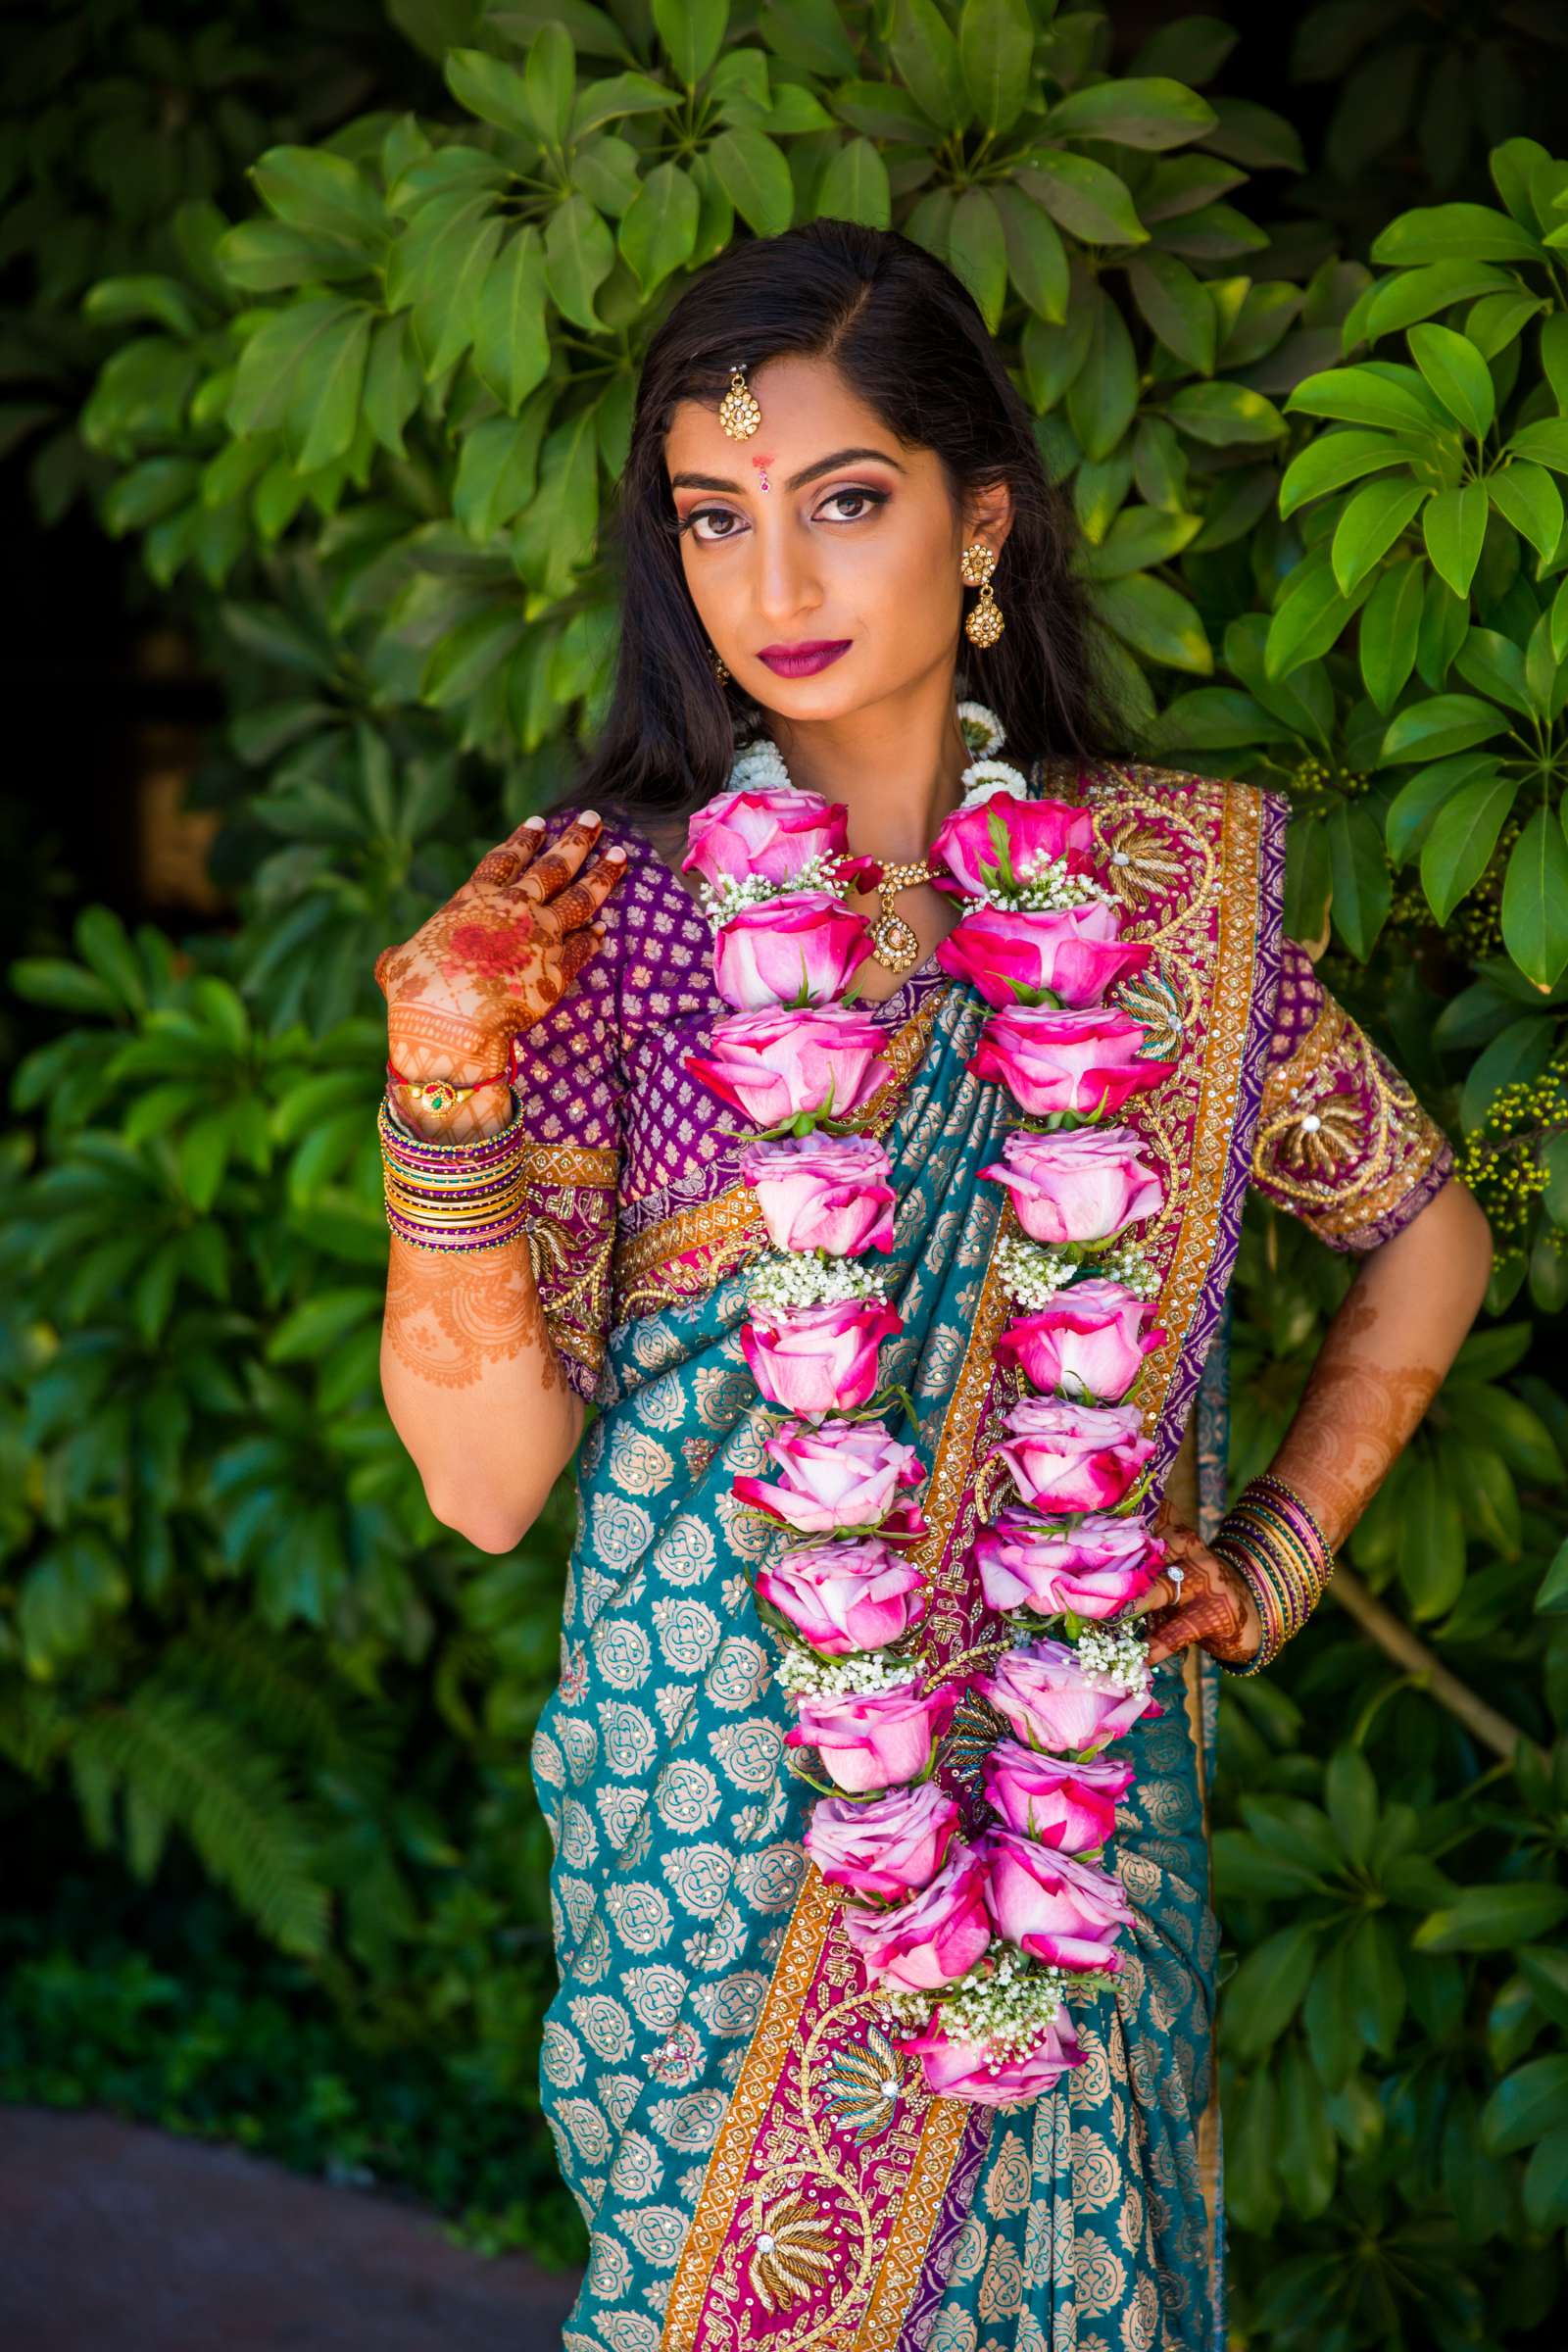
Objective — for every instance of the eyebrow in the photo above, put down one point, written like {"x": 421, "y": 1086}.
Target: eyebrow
{"x": 807, "y": 474}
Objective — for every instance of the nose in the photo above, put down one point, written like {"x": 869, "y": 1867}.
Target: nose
{"x": 788, "y": 587}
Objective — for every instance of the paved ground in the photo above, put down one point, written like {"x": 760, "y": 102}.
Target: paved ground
{"x": 115, "y": 2238}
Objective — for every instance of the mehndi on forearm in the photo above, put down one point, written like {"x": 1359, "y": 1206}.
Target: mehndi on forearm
{"x": 1384, "y": 1356}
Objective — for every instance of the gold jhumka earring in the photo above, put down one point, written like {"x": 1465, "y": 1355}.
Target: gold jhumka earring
{"x": 985, "y": 625}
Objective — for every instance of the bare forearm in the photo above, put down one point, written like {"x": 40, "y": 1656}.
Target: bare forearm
{"x": 475, "y": 1388}
{"x": 1383, "y": 1357}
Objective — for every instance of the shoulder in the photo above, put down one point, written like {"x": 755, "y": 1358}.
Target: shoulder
{"x": 657, "y": 940}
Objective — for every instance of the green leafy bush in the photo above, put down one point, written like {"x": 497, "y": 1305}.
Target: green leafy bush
{"x": 363, "y": 438}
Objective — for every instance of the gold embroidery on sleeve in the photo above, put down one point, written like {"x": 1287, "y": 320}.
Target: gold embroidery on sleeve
{"x": 1337, "y": 1102}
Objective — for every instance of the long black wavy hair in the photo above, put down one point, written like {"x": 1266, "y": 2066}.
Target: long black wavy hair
{"x": 907, "y": 337}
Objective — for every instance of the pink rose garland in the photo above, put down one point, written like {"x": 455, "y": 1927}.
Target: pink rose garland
{"x": 974, "y": 1939}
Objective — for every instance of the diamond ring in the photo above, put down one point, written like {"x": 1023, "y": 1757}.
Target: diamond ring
{"x": 1178, "y": 1577}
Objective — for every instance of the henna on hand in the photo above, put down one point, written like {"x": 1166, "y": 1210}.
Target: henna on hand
{"x": 1213, "y": 1606}
{"x": 493, "y": 960}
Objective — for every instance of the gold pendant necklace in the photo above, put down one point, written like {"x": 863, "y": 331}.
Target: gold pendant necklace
{"x": 894, "y": 944}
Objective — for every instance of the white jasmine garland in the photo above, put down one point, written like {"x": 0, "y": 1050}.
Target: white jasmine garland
{"x": 791, "y": 1278}
{"x": 981, "y": 729}
{"x": 802, "y": 1673}
{"x": 982, "y": 777}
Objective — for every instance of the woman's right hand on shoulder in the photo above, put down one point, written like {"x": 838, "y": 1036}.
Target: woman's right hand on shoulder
{"x": 503, "y": 948}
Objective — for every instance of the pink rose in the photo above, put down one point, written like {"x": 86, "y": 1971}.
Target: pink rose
{"x": 771, "y": 833}
{"x": 1066, "y": 1804}
{"x": 822, "y": 1191}
{"x": 860, "y": 1594}
{"x": 1095, "y": 1566}
{"x": 820, "y": 1062}
{"x": 819, "y": 1359}
{"x": 966, "y": 2069}
{"x": 933, "y": 1938}
{"x": 1050, "y": 1702}
{"x": 1087, "y": 1061}
{"x": 1089, "y": 1342}
{"x": 1077, "y": 1184}
{"x": 837, "y": 1475}
{"x": 1044, "y": 829}
{"x": 1076, "y": 953}
{"x": 804, "y": 948}
{"x": 886, "y": 1848}
{"x": 1073, "y": 1457}
{"x": 874, "y": 1738}
{"x": 1052, "y": 1906}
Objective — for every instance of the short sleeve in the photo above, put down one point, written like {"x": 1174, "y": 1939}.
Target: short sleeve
{"x": 1342, "y": 1141}
{"x": 572, "y": 1090}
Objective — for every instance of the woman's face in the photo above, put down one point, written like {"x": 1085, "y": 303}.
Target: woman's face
{"x": 820, "y": 532}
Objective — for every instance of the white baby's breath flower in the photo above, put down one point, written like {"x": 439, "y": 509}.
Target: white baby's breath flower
{"x": 786, "y": 1278}
{"x": 726, "y": 896}
{"x": 1131, "y": 1266}
{"x": 1115, "y": 1656}
{"x": 1007, "y": 2002}
{"x": 802, "y": 1674}
{"x": 1032, "y": 1272}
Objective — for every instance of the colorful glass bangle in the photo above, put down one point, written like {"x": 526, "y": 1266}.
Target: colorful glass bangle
{"x": 454, "y": 1196}
{"x": 1273, "y": 1540}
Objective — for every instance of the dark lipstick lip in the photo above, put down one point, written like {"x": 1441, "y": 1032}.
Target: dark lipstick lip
{"x": 801, "y": 660}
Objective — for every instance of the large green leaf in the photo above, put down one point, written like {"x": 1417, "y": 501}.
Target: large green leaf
{"x": 1455, "y": 232}
{"x": 1392, "y": 402}
{"x": 977, "y": 252}
{"x": 579, "y": 255}
{"x": 1177, "y": 306}
{"x": 1133, "y": 111}
{"x": 1362, "y": 891}
{"x": 1156, "y": 623}
{"x": 926, "y": 55}
{"x": 1310, "y": 617}
{"x": 1459, "y": 847}
{"x": 1103, "y": 394}
{"x": 1526, "y": 496}
{"x": 1333, "y": 459}
{"x": 1267, "y": 1988}
{"x": 1083, "y": 197}
{"x": 277, "y": 355}
{"x": 491, "y": 89}
{"x": 691, "y": 32}
{"x": 854, "y": 187}
{"x": 1373, "y": 519}
{"x": 1037, "y": 260}
{"x": 1390, "y": 627}
{"x": 1453, "y": 525}
{"x": 1457, "y": 374}
{"x": 996, "y": 48}
{"x": 755, "y": 177}
{"x": 324, "y": 195}
{"x": 1442, "y": 723}
{"x": 1226, "y": 415}
{"x": 1535, "y": 899}
{"x": 510, "y": 330}
{"x": 658, "y": 229}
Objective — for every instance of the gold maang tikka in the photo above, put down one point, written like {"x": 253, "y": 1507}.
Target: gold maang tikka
{"x": 738, "y": 411}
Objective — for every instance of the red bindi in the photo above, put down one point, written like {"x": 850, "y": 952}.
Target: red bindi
{"x": 762, "y": 464}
